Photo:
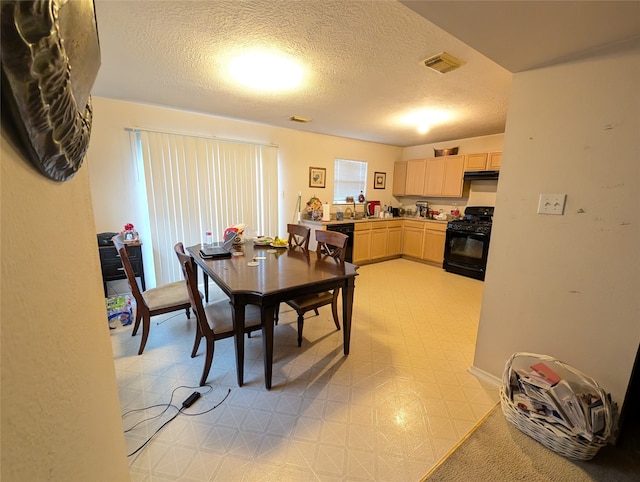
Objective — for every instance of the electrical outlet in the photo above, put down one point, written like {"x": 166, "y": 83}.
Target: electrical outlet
{"x": 551, "y": 204}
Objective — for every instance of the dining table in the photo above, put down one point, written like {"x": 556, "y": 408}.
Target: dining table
{"x": 265, "y": 276}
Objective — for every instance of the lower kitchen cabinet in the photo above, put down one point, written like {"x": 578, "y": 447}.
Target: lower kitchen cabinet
{"x": 434, "y": 239}
{"x": 385, "y": 239}
{"x": 412, "y": 238}
{"x": 361, "y": 242}
{"x": 377, "y": 240}
{"x": 424, "y": 240}
{"x": 379, "y": 236}
{"x": 394, "y": 240}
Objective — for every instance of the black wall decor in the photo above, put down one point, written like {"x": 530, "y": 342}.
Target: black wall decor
{"x": 50, "y": 60}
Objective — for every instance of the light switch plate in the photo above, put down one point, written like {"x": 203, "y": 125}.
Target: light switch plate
{"x": 551, "y": 204}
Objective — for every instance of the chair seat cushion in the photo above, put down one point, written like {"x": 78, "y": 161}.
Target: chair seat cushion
{"x": 219, "y": 316}
{"x": 310, "y": 302}
{"x": 166, "y": 295}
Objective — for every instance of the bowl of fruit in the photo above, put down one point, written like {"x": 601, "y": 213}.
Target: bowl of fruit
{"x": 279, "y": 243}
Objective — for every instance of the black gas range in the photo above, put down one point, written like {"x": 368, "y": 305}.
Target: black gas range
{"x": 467, "y": 242}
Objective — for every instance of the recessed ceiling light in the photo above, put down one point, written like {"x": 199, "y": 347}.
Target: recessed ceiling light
{"x": 425, "y": 119}
{"x": 265, "y": 71}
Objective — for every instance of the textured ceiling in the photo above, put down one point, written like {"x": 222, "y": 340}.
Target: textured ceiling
{"x": 362, "y": 58}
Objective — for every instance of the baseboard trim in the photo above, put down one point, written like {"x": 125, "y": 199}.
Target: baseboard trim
{"x": 487, "y": 377}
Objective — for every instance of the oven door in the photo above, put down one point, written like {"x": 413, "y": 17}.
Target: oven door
{"x": 466, "y": 253}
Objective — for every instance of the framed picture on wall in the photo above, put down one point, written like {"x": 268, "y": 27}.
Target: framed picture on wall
{"x": 317, "y": 176}
{"x": 379, "y": 180}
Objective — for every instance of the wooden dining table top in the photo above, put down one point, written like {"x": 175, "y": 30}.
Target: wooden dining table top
{"x": 266, "y": 276}
{"x": 277, "y": 269}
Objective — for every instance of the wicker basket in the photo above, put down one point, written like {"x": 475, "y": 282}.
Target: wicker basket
{"x": 557, "y": 437}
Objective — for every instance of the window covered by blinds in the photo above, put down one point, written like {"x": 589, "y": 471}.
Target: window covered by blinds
{"x": 350, "y": 177}
{"x": 194, "y": 184}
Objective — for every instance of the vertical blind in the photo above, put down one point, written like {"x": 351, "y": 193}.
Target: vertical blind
{"x": 194, "y": 184}
{"x": 349, "y": 179}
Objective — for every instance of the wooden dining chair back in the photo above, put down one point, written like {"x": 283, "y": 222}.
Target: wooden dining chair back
{"x": 333, "y": 244}
{"x": 330, "y": 244}
{"x": 155, "y": 301}
{"x": 298, "y": 236}
{"x": 215, "y": 320}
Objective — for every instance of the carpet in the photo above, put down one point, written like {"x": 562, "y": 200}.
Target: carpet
{"x": 495, "y": 450}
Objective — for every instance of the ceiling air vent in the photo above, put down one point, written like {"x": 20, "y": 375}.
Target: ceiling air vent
{"x": 443, "y": 63}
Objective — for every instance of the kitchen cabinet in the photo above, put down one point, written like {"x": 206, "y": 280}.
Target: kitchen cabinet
{"x": 444, "y": 176}
{"x": 494, "y": 161}
{"x": 377, "y": 240}
{"x": 424, "y": 240}
{"x": 415, "y": 177}
{"x": 433, "y": 242}
{"x": 412, "y": 238}
{"x": 394, "y": 239}
{"x": 361, "y": 242}
{"x": 399, "y": 178}
{"x": 437, "y": 177}
{"x": 379, "y": 234}
{"x": 483, "y": 161}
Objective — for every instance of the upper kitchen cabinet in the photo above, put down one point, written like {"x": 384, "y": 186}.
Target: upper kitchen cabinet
{"x": 400, "y": 178}
{"x": 483, "y": 161}
{"x": 494, "y": 161}
{"x": 444, "y": 176}
{"x": 416, "y": 169}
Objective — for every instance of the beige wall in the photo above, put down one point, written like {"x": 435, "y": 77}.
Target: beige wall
{"x": 110, "y": 162}
{"x": 60, "y": 410}
{"x": 569, "y": 286}
{"x": 113, "y": 174}
{"x": 470, "y": 145}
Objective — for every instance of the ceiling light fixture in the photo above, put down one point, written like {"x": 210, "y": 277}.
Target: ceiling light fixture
{"x": 265, "y": 71}
{"x": 297, "y": 118}
{"x": 425, "y": 119}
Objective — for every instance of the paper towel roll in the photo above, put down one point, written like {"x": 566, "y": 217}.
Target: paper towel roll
{"x": 326, "y": 212}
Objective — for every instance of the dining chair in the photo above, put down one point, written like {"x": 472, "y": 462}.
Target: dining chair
{"x": 155, "y": 301}
{"x": 330, "y": 244}
{"x": 215, "y": 320}
{"x": 298, "y": 236}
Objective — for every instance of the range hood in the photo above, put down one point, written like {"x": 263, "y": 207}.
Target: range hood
{"x": 481, "y": 175}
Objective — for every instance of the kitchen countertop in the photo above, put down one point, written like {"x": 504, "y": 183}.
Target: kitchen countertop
{"x": 373, "y": 220}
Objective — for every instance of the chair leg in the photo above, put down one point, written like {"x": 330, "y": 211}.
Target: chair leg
{"x": 334, "y": 309}
{"x": 196, "y": 342}
{"x": 315, "y": 310}
{"x": 207, "y": 362}
{"x": 276, "y": 314}
{"x": 137, "y": 323}
{"x": 146, "y": 325}
{"x": 300, "y": 327}
{"x": 188, "y": 313}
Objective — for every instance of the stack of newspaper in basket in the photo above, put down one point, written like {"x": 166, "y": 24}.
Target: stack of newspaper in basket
{"x": 556, "y": 404}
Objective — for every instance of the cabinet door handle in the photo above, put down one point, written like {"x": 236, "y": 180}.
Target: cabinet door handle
{"x": 120, "y": 269}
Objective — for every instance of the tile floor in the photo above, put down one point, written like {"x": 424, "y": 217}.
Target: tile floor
{"x": 387, "y": 412}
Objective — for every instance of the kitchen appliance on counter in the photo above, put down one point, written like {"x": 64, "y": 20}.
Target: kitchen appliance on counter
{"x": 467, "y": 242}
{"x": 371, "y": 208}
{"x": 422, "y": 209}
